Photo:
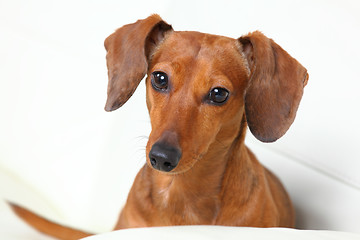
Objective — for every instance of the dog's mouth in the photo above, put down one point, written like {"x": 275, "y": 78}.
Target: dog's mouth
{"x": 174, "y": 166}
{"x": 185, "y": 166}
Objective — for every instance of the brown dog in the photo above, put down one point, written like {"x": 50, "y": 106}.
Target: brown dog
{"x": 202, "y": 93}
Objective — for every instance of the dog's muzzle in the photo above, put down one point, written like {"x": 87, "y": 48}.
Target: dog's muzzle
{"x": 164, "y": 157}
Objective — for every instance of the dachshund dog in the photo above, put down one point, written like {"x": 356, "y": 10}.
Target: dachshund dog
{"x": 202, "y": 92}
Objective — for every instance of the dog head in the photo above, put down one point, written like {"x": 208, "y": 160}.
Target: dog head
{"x": 200, "y": 86}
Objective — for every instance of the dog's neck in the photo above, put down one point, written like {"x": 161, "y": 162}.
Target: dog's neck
{"x": 195, "y": 195}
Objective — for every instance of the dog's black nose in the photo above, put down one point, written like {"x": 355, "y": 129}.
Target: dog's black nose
{"x": 164, "y": 157}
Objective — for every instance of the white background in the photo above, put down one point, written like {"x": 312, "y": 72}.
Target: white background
{"x": 63, "y": 156}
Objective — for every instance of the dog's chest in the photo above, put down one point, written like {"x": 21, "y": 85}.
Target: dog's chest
{"x": 178, "y": 206}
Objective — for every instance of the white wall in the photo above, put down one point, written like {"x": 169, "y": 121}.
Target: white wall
{"x": 62, "y": 155}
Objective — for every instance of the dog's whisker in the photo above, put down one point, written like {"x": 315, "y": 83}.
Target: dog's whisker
{"x": 142, "y": 137}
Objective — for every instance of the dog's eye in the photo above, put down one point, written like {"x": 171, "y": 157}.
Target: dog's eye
{"x": 218, "y": 95}
{"x": 159, "y": 80}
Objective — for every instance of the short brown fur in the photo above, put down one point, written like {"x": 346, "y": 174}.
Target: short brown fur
{"x": 218, "y": 180}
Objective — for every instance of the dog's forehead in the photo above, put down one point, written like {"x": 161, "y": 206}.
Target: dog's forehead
{"x": 195, "y": 44}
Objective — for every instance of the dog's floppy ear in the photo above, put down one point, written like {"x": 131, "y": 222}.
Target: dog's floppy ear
{"x": 128, "y": 52}
{"x": 275, "y": 87}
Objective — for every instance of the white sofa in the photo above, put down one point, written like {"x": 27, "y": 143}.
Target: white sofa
{"x": 65, "y": 158}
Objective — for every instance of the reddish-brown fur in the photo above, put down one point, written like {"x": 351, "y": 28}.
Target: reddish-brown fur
{"x": 218, "y": 180}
